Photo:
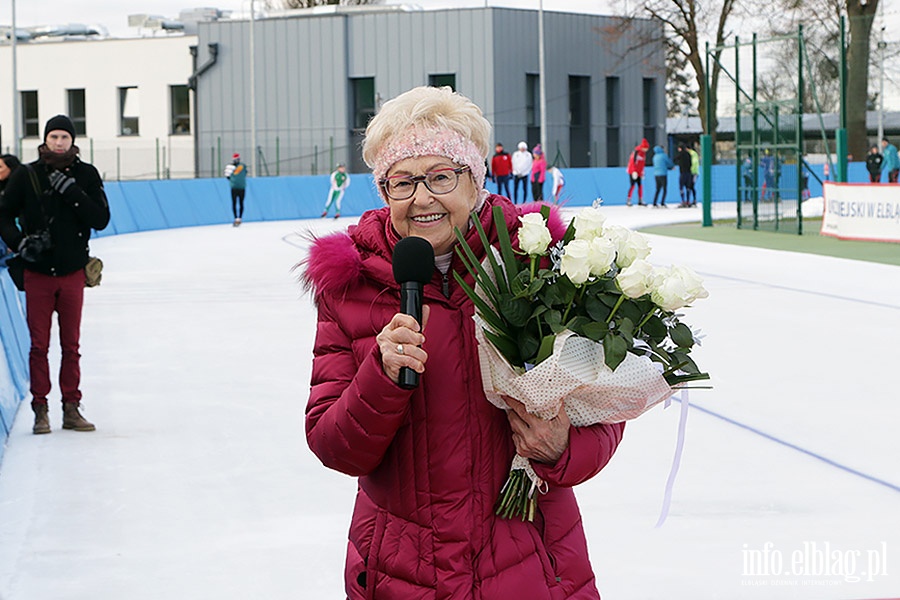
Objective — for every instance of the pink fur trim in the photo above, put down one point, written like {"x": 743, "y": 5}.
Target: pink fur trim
{"x": 333, "y": 264}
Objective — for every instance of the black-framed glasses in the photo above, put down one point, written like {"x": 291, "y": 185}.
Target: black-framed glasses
{"x": 439, "y": 181}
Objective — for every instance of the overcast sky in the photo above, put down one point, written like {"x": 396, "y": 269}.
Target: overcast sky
{"x": 113, "y": 16}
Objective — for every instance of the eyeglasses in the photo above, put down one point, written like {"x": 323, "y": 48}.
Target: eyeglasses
{"x": 439, "y": 181}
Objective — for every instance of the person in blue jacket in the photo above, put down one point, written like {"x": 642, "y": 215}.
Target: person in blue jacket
{"x": 891, "y": 162}
{"x": 661, "y": 165}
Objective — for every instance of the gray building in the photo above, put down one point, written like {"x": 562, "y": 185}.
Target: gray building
{"x": 321, "y": 75}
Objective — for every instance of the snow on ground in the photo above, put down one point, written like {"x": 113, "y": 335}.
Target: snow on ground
{"x": 198, "y": 483}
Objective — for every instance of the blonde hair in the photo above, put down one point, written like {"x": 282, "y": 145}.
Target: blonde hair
{"x": 427, "y": 113}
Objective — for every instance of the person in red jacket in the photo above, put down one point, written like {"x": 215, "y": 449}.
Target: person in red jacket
{"x": 501, "y": 169}
{"x": 430, "y": 461}
{"x": 636, "y": 170}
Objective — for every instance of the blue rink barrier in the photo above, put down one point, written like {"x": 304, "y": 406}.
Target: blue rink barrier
{"x": 149, "y": 205}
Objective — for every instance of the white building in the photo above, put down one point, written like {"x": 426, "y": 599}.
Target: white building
{"x": 128, "y": 98}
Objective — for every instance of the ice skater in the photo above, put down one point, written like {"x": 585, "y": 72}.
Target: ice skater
{"x": 340, "y": 181}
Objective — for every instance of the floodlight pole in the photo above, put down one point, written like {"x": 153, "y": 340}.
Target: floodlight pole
{"x": 253, "y": 161}
{"x": 542, "y": 78}
{"x": 15, "y": 86}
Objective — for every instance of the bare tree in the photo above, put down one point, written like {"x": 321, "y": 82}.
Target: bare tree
{"x": 860, "y": 16}
{"x": 688, "y": 24}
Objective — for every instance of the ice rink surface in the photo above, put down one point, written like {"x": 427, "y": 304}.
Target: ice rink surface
{"x": 198, "y": 483}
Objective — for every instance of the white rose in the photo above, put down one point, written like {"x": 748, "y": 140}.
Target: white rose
{"x": 534, "y": 237}
{"x": 589, "y": 224}
{"x": 574, "y": 263}
{"x": 637, "y": 279}
{"x": 676, "y": 287}
{"x": 634, "y": 247}
{"x": 601, "y": 254}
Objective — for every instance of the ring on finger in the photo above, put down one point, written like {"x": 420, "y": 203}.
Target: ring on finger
{"x": 400, "y": 349}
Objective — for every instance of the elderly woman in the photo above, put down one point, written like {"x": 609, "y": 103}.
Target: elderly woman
{"x": 430, "y": 461}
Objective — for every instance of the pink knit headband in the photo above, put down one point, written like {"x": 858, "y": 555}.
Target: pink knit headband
{"x": 430, "y": 142}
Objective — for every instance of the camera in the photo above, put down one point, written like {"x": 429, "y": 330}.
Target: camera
{"x": 36, "y": 245}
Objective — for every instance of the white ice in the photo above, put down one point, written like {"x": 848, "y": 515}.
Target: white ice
{"x": 198, "y": 483}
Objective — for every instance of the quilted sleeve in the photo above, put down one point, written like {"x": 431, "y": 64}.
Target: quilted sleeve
{"x": 354, "y": 409}
{"x": 590, "y": 448}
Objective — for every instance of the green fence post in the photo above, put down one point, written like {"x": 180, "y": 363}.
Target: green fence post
{"x": 706, "y": 173}
{"x": 841, "y": 139}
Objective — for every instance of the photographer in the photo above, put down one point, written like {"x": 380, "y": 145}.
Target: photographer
{"x": 57, "y": 200}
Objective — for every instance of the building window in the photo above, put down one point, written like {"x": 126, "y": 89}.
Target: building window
{"x": 363, "y": 90}
{"x": 31, "y": 127}
{"x": 579, "y": 121}
{"x": 362, "y": 106}
{"x": 129, "y": 111}
{"x": 180, "y": 110}
{"x": 447, "y": 79}
{"x": 650, "y": 110}
{"x": 613, "y": 120}
{"x": 76, "y": 110}
{"x": 532, "y": 109}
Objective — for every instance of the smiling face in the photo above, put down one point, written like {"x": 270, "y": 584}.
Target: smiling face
{"x": 59, "y": 141}
{"x": 4, "y": 170}
{"x": 429, "y": 215}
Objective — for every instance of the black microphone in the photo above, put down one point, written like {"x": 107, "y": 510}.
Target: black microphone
{"x": 413, "y": 264}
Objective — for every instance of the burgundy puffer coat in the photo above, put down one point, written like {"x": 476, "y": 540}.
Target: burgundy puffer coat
{"x": 431, "y": 461}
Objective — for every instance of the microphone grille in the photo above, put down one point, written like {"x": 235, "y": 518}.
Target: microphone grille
{"x": 413, "y": 260}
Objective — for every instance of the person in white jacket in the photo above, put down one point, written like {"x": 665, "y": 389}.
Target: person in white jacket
{"x": 558, "y": 182}
{"x": 521, "y": 168}
{"x": 340, "y": 181}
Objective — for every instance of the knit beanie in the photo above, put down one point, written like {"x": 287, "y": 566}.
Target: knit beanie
{"x": 59, "y": 122}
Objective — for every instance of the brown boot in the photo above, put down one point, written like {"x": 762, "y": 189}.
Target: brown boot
{"x": 41, "y": 419}
{"x": 72, "y": 419}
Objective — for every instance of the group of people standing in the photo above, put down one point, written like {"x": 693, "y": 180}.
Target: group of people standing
{"x": 887, "y": 161}
{"x": 523, "y": 167}
{"x": 686, "y": 159}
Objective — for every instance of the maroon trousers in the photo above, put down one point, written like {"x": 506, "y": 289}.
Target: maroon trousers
{"x": 45, "y": 295}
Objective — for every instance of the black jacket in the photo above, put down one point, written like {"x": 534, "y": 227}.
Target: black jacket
{"x": 873, "y": 163}
{"x": 71, "y": 217}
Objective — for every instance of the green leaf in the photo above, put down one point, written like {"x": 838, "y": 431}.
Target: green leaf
{"x": 554, "y": 320}
{"x": 566, "y": 290}
{"x": 614, "y": 350}
{"x": 685, "y": 362}
{"x": 499, "y": 274}
{"x": 682, "y": 336}
{"x": 626, "y": 328}
{"x": 513, "y": 266}
{"x": 596, "y": 330}
{"x": 486, "y": 311}
{"x": 632, "y": 311}
{"x": 570, "y": 232}
{"x": 528, "y": 345}
{"x": 474, "y": 267}
{"x": 546, "y": 349}
{"x": 516, "y": 310}
{"x": 595, "y": 308}
{"x": 577, "y": 324}
{"x": 535, "y": 286}
{"x": 508, "y": 348}
{"x": 655, "y": 328}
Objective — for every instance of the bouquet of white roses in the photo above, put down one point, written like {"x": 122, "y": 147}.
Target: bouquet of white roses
{"x": 586, "y": 324}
